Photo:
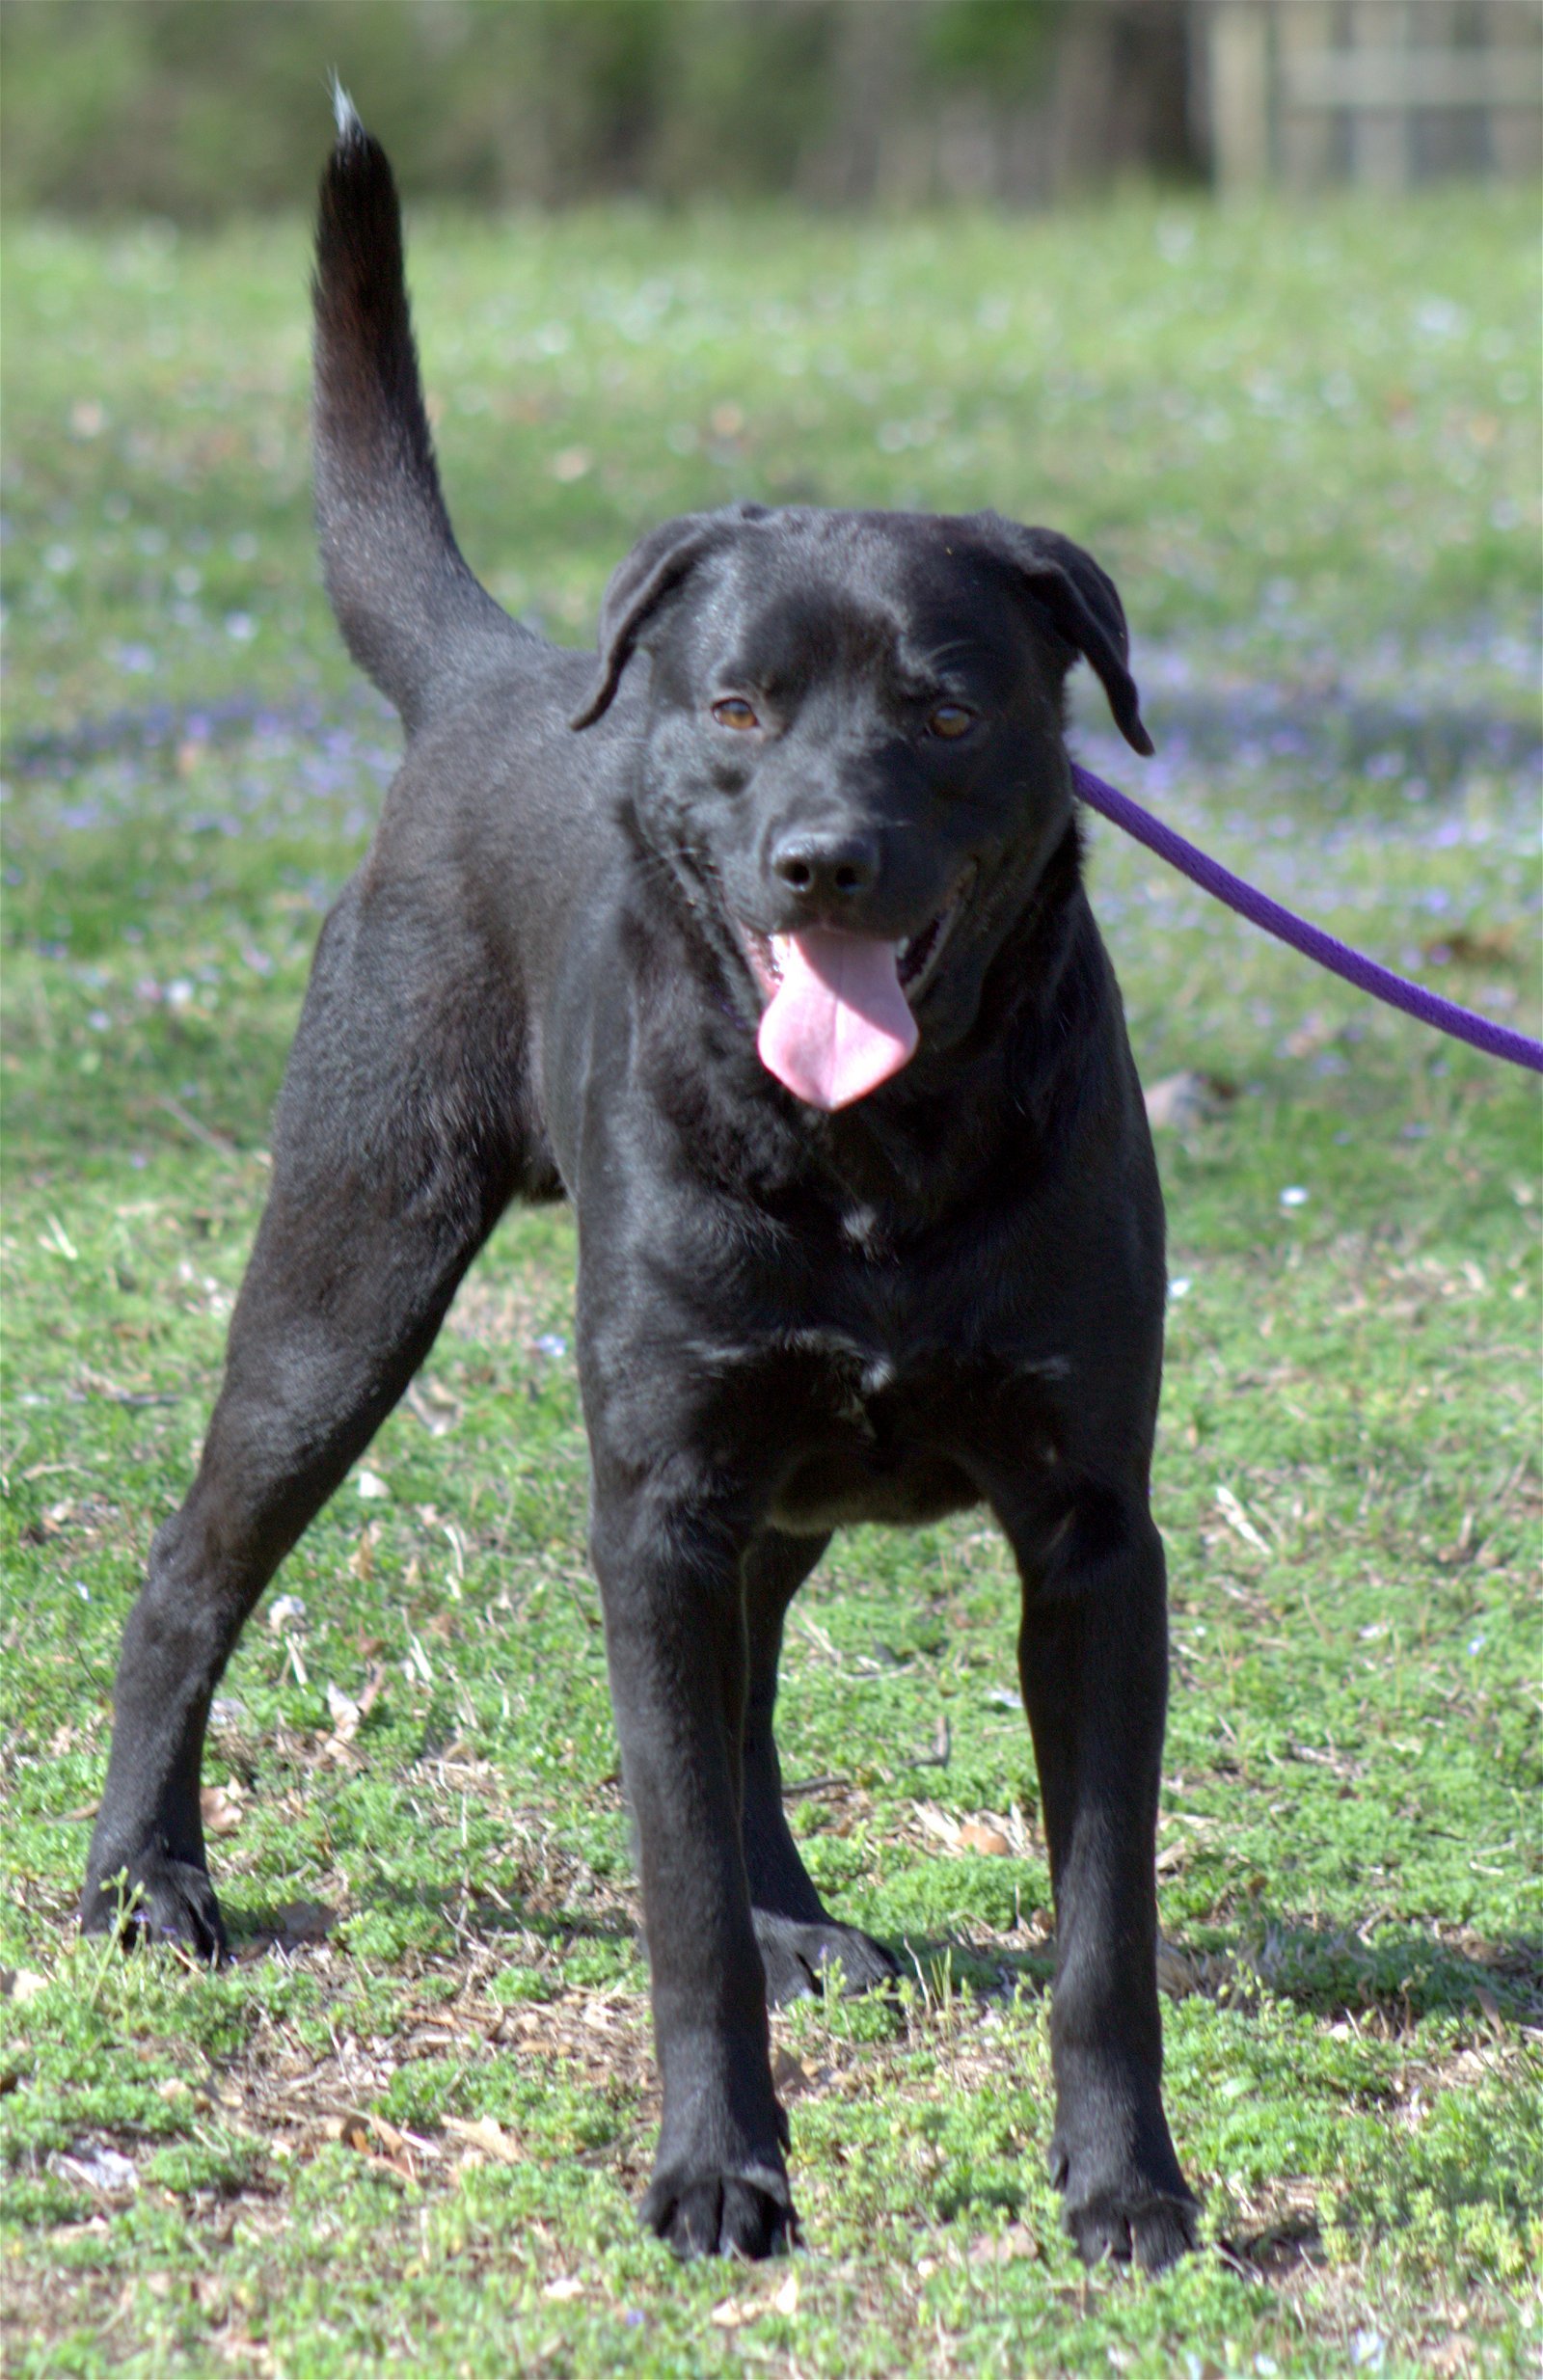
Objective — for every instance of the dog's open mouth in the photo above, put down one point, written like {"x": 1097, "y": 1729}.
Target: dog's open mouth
{"x": 838, "y": 1019}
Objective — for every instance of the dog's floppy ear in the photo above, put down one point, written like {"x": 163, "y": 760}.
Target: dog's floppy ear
{"x": 657, "y": 566}
{"x": 1084, "y": 607}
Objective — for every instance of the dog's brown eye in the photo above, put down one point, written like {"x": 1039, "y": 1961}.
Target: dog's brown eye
{"x": 735, "y": 712}
{"x": 949, "y": 719}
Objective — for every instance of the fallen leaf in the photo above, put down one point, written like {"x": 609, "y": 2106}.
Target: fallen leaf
{"x": 218, "y": 1805}
{"x": 116, "y": 1392}
{"x": 435, "y": 1406}
{"x": 346, "y": 1714}
{"x": 975, "y": 1837}
{"x": 1496, "y": 947}
{"x": 790, "y": 2075}
{"x": 1018, "y": 2242}
{"x": 1187, "y": 1098}
{"x": 566, "y": 2286}
{"x": 22, "y": 1984}
{"x": 731, "y": 2314}
{"x": 488, "y": 2135}
{"x": 936, "y": 1823}
{"x": 103, "y": 2170}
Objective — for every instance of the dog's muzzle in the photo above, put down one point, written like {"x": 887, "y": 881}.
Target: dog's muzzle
{"x": 839, "y": 1016}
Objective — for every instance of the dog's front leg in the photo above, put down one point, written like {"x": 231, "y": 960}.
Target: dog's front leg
{"x": 1093, "y": 1658}
{"x": 675, "y": 1639}
{"x": 800, "y": 1941}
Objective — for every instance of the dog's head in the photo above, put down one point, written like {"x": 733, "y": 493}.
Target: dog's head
{"x": 854, "y": 759}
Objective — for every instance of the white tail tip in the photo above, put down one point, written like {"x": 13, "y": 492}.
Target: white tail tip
{"x": 344, "y": 113}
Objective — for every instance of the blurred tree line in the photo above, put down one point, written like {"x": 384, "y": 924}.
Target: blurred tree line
{"x": 195, "y": 109}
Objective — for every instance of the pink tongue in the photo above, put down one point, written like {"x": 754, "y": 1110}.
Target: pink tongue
{"x": 838, "y": 1024}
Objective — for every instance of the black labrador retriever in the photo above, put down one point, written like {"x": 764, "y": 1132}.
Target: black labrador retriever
{"x": 774, "y": 956}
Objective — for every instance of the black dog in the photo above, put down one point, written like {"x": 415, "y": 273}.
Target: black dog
{"x": 774, "y": 956}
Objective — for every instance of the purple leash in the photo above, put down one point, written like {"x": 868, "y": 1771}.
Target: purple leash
{"x": 1497, "y": 1041}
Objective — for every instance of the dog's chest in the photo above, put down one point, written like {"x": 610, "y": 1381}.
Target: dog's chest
{"x": 872, "y": 1424}
{"x": 863, "y": 1233}
{"x": 864, "y": 1447}
{"x": 853, "y": 1372}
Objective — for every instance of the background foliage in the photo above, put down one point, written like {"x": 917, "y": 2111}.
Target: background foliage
{"x": 195, "y": 111}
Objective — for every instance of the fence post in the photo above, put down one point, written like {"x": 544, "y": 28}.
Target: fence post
{"x": 1239, "y": 64}
{"x": 1379, "y": 135}
{"x": 1308, "y": 144}
{"x": 1516, "y": 133}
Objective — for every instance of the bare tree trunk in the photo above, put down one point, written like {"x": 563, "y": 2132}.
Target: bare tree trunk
{"x": 1118, "y": 101}
{"x": 875, "y": 47}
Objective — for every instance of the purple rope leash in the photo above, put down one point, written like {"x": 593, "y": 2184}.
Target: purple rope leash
{"x": 1497, "y": 1041}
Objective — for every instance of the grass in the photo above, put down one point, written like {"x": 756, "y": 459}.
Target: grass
{"x": 407, "y": 2125}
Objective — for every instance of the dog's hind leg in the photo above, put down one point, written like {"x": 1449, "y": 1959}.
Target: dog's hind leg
{"x": 799, "y": 1939}
{"x": 376, "y": 1208}
{"x": 1093, "y": 1659}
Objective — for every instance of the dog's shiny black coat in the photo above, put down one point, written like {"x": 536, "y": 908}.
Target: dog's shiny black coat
{"x": 948, "y": 1293}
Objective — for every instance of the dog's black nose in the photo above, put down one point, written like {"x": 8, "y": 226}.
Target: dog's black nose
{"x": 825, "y": 866}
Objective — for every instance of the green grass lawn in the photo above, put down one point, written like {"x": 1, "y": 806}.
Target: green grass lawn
{"x": 408, "y": 2124}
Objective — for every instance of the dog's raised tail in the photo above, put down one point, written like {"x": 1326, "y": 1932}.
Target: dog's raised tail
{"x": 413, "y": 615}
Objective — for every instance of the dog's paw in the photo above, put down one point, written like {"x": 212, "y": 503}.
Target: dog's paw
{"x": 749, "y": 2214}
{"x": 1133, "y": 2222}
{"x": 157, "y": 1899}
{"x": 797, "y": 1957}
{"x": 1126, "y": 2200}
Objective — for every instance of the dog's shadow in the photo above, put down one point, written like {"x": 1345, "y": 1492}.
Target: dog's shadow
{"x": 293, "y": 1927}
{"x": 1391, "y": 1981}
{"x": 1401, "y": 1974}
